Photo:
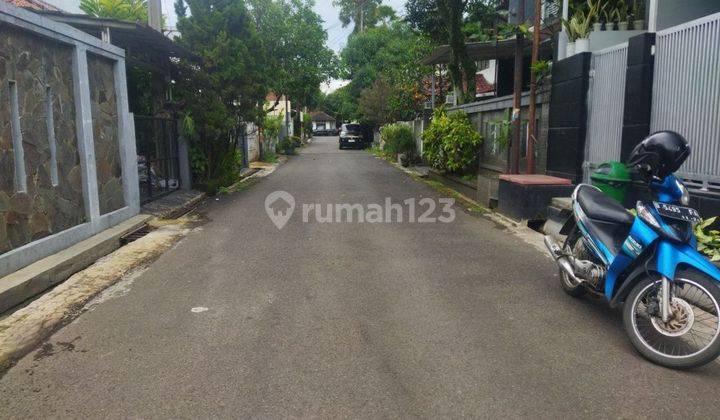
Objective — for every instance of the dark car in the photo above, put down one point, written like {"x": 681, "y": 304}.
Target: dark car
{"x": 351, "y": 135}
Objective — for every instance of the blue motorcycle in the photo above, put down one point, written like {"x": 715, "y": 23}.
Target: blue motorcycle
{"x": 647, "y": 263}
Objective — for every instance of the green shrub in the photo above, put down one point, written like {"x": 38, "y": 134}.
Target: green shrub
{"x": 708, "y": 240}
{"x": 398, "y": 138}
{"x": 286, "y": 146}
{"x": 272, "y": 126}
{"x": 451, "y": 142}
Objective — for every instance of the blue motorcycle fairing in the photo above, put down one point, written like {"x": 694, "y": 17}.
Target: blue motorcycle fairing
{"x": 641, "y": 237}
{"x": 667, "y": 190}
{"x": 671, "y": 255}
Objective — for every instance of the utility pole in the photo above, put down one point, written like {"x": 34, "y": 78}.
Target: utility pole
{"x": 517, "y": 97}
{"x": 530, "y": 161}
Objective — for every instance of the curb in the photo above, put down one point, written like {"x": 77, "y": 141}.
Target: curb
{"x": 24, "y": 329}
{"x": 528, "y": 235}
{"x": 182, "y": 209}
{"x": 34, "y": 279}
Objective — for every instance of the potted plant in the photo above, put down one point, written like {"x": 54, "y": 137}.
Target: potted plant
{"x": 598, "y": 7}
{"x": 582, "y": 22}
{"x": 639, "y": 15}
{"x": 621, "y": 14}
{"x": 571, "y": 34}
{"x": 608, "y": 16}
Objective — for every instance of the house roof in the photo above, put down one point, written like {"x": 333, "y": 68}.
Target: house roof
{"x": 131, "y": 36}
{"x": 486, "y": 50}
{"x": 321, "y": 116}
{"x": 482, "y": 85}
{"x": 32, "y": 4}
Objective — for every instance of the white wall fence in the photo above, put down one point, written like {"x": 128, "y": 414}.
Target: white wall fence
{"x": 606, "y": 102}
{"x": 686, "y": 95}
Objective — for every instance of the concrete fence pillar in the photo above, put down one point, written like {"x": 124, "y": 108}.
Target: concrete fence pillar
{"x": 638, "y": 92}
{"x": 568, "y": 116}
{"x": 84, "y": 125}
{"x": 184, "y": 163}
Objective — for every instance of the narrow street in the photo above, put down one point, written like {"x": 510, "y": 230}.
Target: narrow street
{"x": 242, "y": 319}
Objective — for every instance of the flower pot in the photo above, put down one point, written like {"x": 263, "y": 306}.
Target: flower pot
{"x": 622, "y": 26}
{"x": 609, "y": 26}
{"x": 639, "y": 25}
{"x": 570, "y": 49}
{"x": 582, "y": 45}
{"x": 597, "y": 26}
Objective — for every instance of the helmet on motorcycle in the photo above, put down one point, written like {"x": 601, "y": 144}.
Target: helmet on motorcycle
{"x": 659, "y": 155}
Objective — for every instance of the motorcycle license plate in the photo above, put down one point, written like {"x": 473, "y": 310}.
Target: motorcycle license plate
{"x": 678, "y": 212}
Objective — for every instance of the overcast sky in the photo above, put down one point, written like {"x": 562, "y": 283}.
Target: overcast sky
{"x": 337, "y": 35}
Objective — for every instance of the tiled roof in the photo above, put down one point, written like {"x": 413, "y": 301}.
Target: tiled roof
{"x": 482, "y": 85}
{"x": 321, "y": 116}
{"x": 32, "y": 4}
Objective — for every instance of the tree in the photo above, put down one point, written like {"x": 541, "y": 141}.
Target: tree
{"x": 386, "y": 77}
{"x": 340, "y": 105}
{"x": 374, "y": 103}
{"x": 294, "y": 38}
{"x": 453, "y": 22}
{"x": 246, "y": 48}
{"x": 223, "y": 88}
{"x": 364, "y": 14}
{"x": 131, "y": 10}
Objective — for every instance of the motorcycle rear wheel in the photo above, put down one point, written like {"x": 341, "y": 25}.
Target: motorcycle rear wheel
{"x": 692, "y": 337}
{"x": 573, "y": 245}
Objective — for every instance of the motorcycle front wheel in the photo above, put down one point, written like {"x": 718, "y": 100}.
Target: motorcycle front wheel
{"x": 691, "y": 337}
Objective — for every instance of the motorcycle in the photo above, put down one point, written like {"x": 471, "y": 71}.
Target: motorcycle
{"x": 646, "y": 262}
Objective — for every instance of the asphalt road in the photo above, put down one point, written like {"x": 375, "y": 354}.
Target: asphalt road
{"x": 347, "y": 320}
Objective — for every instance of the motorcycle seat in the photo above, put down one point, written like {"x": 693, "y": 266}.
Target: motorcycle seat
{"x": 598, "y": 206}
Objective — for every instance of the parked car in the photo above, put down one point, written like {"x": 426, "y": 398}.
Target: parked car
{"x": 325, "y": 132}
{"x": 351, "y": 135}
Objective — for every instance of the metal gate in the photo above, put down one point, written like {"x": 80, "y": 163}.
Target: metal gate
{"x": 606, "y": 102}
{"x": 157, "y": 149}
{"x": 686, "y": 95}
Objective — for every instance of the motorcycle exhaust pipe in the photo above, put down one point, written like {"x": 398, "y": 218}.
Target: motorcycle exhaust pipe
{"x": 562, "y": 260}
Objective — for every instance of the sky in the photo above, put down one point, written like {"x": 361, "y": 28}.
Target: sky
{"x": 337, "y": 35}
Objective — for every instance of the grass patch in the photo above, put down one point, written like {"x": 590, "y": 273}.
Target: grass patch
{"x": 270, "y": 157}
{"x": 375, "y": 150}
{"x": 460, "y": 200}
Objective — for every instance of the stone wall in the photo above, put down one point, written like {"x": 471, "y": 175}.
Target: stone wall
{"x": 41, "y": 72}
{"x": 486, "y": 117}
{"x": 105, "y": 133}
{"x": 52, "y": 124}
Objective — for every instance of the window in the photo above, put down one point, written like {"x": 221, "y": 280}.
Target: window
{"x": 483, "y": 65}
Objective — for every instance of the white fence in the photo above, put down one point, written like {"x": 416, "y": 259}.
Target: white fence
{"x": 686, "y": 95}
{"x": 606, "y": 105}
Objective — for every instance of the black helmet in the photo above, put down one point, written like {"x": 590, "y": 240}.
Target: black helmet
{"x": 659, "y": 155}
